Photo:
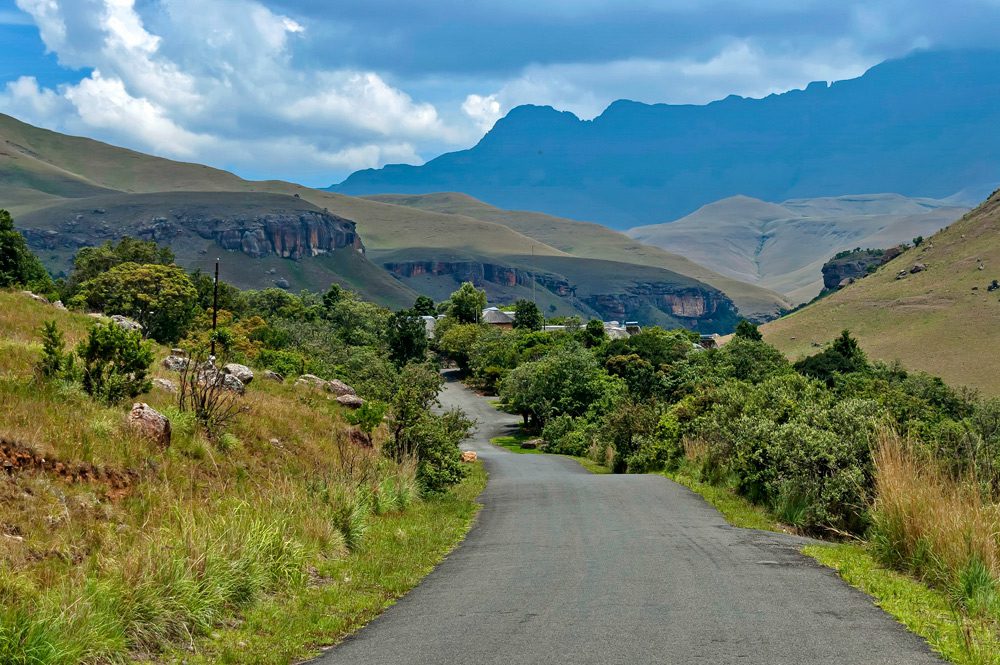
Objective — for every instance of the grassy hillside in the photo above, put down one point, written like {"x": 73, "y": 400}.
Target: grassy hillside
{"x": 942, "y": 320}
{"x": 783, "y": 247}
{"x": 593, "y": 241}
{"x": 113, "y": 549}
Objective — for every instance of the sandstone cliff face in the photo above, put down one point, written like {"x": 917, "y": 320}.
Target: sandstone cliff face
{"x": 691, "y": 306}
{"x": 288, "y": 235}
{"x": 265, "y": 226}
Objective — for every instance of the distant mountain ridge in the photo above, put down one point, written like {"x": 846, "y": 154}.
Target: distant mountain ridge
{"x": 923, "y": 125}
{"x": 784, "y": 246}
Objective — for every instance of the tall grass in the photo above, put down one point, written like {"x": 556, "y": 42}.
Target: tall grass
{"x": 941, "y": 528}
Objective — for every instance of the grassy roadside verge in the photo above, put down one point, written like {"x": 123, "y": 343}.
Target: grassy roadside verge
{"x": 513, "y": 444}
{"x": 924, "y": 611}
{"x": 398, "y": 551}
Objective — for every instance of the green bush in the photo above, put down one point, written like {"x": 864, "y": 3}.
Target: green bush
{"x": 18, "y": 265}
{"x": 115, "y": 363}
{"x": 161, "y": 298}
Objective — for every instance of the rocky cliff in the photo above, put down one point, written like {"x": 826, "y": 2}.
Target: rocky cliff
{"x": 847, "y": 267}
{"x": 670, "y": 302}
{"x": 257, "y": 225}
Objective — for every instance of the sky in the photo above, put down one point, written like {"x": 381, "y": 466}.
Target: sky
{"x": 312, "y": 90}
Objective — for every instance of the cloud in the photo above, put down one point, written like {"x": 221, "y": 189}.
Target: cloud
{"x": 216, "y": 81}
{"x": 485, "y": 111}
{"x": 312, "y": 89}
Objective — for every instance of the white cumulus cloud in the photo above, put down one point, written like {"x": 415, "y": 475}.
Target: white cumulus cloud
{"x": 215, "y": 81}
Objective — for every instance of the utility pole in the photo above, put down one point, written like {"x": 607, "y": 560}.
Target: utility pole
{"x": 215, "y": 306}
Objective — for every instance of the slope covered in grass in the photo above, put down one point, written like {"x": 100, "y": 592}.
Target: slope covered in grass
{"x": 943, "y": 319}
{"x": 593, "y": 241}
{"x": 113, "y": 549}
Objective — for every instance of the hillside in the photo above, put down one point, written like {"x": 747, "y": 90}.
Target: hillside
{"x": 783, "y": 246}
{"x": 593, "y": 241}
{"x": 68, "y": 191}
{"x": 944, "y": 319}
{"x": 922, "y": 125}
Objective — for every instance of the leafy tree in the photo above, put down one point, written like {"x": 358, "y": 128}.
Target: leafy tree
{"x": 593, "y": 334}
{"x": 416, "y": 432}
{"x": 641, "y": 377}
{"x": 625, "y": 426}
{"x": 159, "y": 297}
{"x": 18, "y": 266}
{"x": 230, "y": 297}
{"x": 424, "y": 306}
{"x": 407, "y": 337}
{"x": 748, "y": 360}
{"x": 527, "y": 316}
{"x": 458, "y": 341}
{"x": 91, "y": 262}
{"x": 468, "y": 303}
{"x": 115, "y": 363}
{"x": 568, "y": 380}
{"x": 660, "y": 347}
{"x": 333, "y": 296}
{"x": 748, "y": 330}
{"x": 844, "y": 356}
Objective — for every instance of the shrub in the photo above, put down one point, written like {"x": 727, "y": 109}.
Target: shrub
{"x": 161, "y": 298}
{"x": 55, "y": 362}
{"x": 18, "y": 266}
{"x": 204, "y": 393}
{"x": 115, "y": 363}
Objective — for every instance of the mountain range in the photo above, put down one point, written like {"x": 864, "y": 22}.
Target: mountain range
{"x": 921, "y": 126}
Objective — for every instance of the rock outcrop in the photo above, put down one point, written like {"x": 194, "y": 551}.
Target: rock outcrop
{"x": 257, "y": 225}
{"x": 241, "y": 372}
{"x": 150, "y": 423}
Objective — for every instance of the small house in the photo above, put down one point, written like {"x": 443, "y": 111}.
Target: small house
{"x": 497, "y": 317}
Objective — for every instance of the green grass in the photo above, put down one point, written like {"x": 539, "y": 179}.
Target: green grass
{"x": 398, "y": 551}
{"x": 513, "y": 444}
{"x": 737, "y": 510}
{"x": 922, "y": 610}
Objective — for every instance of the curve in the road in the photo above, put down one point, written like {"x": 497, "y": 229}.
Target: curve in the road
{"x": 568, "y": 567}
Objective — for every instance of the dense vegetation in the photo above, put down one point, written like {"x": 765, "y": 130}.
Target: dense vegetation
{"x": 115, "y": 546}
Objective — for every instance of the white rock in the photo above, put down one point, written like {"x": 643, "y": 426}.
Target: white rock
{"x": 241, "y": 372}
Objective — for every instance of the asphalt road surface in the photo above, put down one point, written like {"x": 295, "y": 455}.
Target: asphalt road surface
{"x": 564, "y": 566}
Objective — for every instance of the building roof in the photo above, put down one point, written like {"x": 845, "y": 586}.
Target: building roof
{"x": 496, "y": 316}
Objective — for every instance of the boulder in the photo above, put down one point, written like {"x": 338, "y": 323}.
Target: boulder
{"x": 35, "y": 296}
{"x": 165, "y": 384}
{"x": 338, "y": 387}
{"x": 310, "y": 381}
{"x": 469, "y": 456}
{"x": 150, "y": 423}
{"x": 350, "y": 401}
{"x": 531, "y": 444}
{"x": 273, "y": 376}
{"x": 241, "y": 372}
{"x": 282, "y": 283}
{"x": 917, "y": 267}
{"x": 230, "y": 382}
{"x": 59, "y": 305}
{"x": 175, "y": 363}
{"x": 126, "y": 323}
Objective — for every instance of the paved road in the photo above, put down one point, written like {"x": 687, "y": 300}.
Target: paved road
{"x": 568, "y": 567}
